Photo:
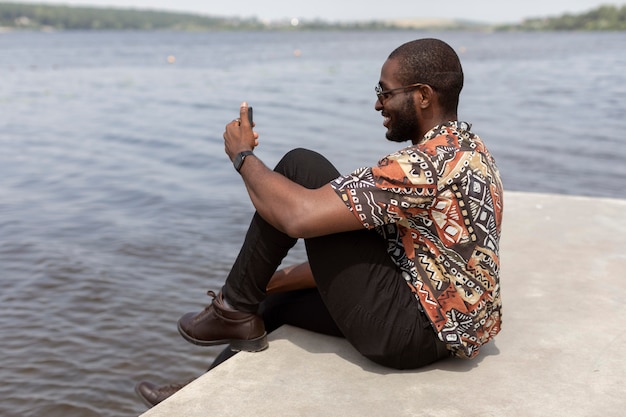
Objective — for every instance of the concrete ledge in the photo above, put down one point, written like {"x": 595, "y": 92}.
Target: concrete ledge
{"x": 561, "y": 351}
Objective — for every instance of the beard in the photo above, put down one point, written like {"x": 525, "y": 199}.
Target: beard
{"x": 404, "y": 123}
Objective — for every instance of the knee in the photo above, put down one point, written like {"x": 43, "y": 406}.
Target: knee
{"x": 306, "y": 167}
{"x": 295, "y": 157}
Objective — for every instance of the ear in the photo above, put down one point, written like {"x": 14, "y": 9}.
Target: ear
{"x": 425, "y": 96}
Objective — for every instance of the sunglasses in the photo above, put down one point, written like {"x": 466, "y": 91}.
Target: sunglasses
{"x": 385, "y": 94}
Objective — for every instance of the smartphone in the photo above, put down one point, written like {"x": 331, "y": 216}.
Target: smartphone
{"x": 250, "y": 115}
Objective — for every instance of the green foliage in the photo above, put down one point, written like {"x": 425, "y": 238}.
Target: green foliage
{"x": 38, "y": 16}
{"x": 603, "y": 18}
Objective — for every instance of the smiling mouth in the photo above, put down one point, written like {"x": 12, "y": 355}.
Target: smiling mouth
{"x": 386, "y": 119}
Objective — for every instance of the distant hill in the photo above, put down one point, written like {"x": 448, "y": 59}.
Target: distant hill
{"x": 60, "y": 17}
{"x": 435, "y": 24}
{"x": 39, "y": 16}
{"x": 608, "y": 18}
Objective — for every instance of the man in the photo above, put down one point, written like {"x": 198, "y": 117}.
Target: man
{"x": 403, "y": 257}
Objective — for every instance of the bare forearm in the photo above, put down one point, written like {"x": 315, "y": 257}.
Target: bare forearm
{"x": 289, "y": 207}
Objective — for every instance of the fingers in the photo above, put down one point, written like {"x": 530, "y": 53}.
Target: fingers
{"x": 239, "y": 134}
{"x": 243, "y": 115}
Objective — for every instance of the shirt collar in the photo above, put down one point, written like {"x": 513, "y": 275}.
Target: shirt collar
{"x": 456, "y": 125}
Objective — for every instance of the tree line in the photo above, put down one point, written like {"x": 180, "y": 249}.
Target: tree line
{"x": 39, "y": 16}
{"x": 607, "y": 18}
{"x": 58, "y": 17}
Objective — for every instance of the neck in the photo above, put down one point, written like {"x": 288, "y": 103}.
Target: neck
{"x": 430, "y": 123}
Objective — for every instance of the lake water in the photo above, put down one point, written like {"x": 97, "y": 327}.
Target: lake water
{"x": 119, "y": 208}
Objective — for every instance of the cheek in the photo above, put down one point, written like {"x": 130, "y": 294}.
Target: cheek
{"x": 408, "y": 115}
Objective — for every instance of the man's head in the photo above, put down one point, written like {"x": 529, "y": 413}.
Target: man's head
{"x": 419, "y": 87}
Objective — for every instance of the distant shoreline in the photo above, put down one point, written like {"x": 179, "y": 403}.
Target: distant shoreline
{"x": 21, "y": 16}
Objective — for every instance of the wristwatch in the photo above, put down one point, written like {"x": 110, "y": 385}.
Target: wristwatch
{"x": 241, "y": 156}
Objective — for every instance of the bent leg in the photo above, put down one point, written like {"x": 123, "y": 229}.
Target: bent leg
{"x": 361, "y": 287}
{"x": 265, "y": 246}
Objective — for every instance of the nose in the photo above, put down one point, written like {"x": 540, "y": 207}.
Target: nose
{"x": 378, "y": 105}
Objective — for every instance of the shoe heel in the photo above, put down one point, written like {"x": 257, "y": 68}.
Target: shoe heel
{"x": 249, "y": 345}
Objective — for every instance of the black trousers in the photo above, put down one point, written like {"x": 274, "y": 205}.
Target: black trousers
{"x": 360, "y": 293}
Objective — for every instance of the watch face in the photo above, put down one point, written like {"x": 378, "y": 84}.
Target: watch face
{"x": 238, "y": 161}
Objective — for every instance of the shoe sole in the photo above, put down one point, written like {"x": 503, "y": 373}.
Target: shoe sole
{"x": 143, "y": 399}
{"x": 236, "y": 345}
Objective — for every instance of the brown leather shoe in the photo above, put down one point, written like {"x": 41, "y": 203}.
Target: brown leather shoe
{"x": 219, "y": 325}
{"x": 152, "y": 394}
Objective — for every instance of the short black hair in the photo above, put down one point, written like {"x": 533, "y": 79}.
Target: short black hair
{"x": 433, "y": 62}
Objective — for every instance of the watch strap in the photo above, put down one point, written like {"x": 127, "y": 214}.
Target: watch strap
{"x": 241, "y": 156}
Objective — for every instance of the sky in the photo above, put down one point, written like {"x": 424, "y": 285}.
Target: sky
{"x": 487, "y": 11}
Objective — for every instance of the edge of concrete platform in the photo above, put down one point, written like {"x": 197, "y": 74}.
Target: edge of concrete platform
{"x": 560, "y": 352}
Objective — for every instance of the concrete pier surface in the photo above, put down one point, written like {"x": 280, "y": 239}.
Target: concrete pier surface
{"x": 561, "y": 352}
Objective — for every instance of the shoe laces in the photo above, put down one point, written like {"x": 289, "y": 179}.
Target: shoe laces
{"x": 204, "y": 312}
{"x": 213, "y": 296}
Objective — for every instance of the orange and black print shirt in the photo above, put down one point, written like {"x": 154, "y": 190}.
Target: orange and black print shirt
{"x": 439, "y": 206}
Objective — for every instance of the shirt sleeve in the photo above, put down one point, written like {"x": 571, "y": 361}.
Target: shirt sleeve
{"x": 402, "y": 185}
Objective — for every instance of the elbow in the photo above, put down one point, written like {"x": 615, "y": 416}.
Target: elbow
{"x": 295, "y": 228}
{"x": 297, "y": 223}
{"x": 300, "y": 218}
{"x": 289, "y": 221}
{"x": 284, "y": 220}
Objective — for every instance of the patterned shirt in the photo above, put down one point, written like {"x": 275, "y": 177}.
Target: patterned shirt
{"x": 438, "y": 204}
